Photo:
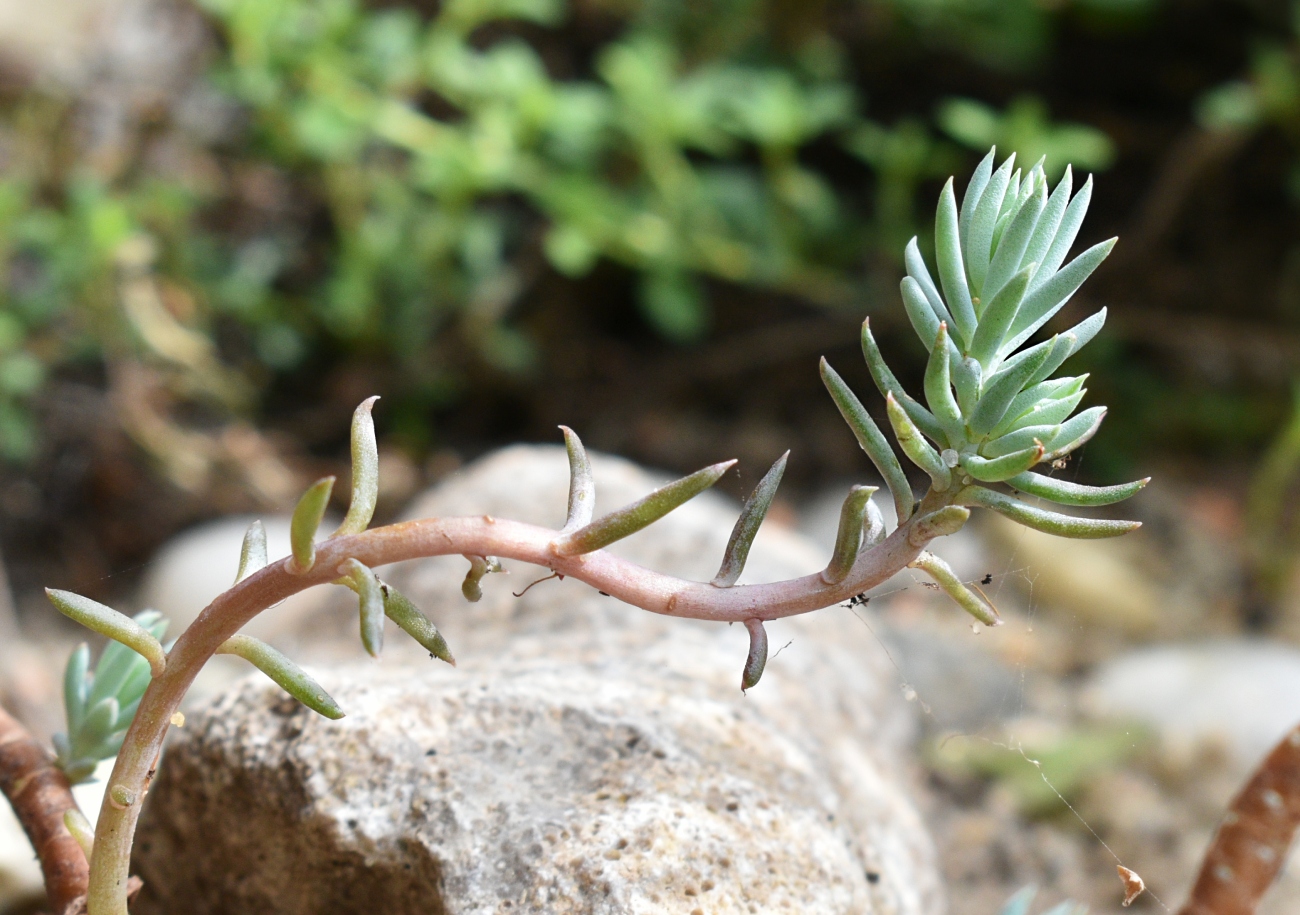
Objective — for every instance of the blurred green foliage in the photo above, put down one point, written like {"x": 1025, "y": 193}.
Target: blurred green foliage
{"x": 382, "y": 180}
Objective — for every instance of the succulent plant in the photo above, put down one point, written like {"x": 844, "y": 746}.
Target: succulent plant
{"x": 992, "y": 413}
{"x": 100, "y": 705}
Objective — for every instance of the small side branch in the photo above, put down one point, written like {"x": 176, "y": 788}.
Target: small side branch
{"x": 40, "y": 795}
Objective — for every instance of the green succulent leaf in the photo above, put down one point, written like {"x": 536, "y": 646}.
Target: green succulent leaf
{"x": 410, "y": 620}
{"x": 365, "y": 471}
{"x": 979, "y": 180}
{"x": 1063, "y": 238}
{"x": 1074, "y": 432}
{"x": 640, "y": 514}
{"x": 1043, "y": 301}
{"x": 852, "y": 533}
{"x": 1009, "y": 258}
{"x": 952, "y": 271}
{"x": 117, "y": 626}
{"x": 252, "y": 553}
{"x": 886, "y": 383}
{"x": 582, "y": 485}
{"x": 914, "y": 445}
{"x": 1019, "y": 440}
{"x": 285, "y": 673}
{"x": 1032, "y": 397}
{"x": 1002, "y": 389}
{"x": 947, "y": 520}
{"x": 871, "y": 440}
{"x": 1042, "y": 520}
{"x": 919, "y": 311}
{"x": 307, "y": 515}
{"x": 75, "y": 688}
{"x": 920, "y": 274}
{"x": 996, "y": 470}
{"x": 751, "y": 518}
{"x": 1063, "y": 492}
{"x": 938, "y": 387}
{"x": 998, "y": 316}
{"x": 756, "y": 660}
{"x": 371, "y": 603}
{"x": 1049, "y": 221}
{"x": 951, "y": 585}
{"x": 983, "y": 222}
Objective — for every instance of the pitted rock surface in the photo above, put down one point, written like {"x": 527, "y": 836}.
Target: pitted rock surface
{"x": 586, "y": 757}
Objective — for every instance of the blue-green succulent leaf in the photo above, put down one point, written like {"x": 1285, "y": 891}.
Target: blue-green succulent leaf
{"x": 979, "y": 180}
{"x": 1063, "y": 492}
{"x": 952, "y": 270}
{"x": 979, "y": 237}
{"x": 886, "y": 383}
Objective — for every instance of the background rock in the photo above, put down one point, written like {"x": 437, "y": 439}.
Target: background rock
{"x": 585, "y": 757}
{"x": 1237, "y": 695}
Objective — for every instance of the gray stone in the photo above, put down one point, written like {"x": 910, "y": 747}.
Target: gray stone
{"x": 585, "y": 757}
{"x": 1239, "y": 695}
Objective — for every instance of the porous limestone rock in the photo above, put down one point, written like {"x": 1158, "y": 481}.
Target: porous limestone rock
{"x": 586, "y": 756}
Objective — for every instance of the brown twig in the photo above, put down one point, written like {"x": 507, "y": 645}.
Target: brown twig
{"x": 1251, "y": 845}
{"x": 40, "y": 795}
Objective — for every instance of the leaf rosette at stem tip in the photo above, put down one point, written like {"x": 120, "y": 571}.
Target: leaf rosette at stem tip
{"x": 992, "y": 411}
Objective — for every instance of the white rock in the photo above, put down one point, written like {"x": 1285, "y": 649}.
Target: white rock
{"x": 587, "y": 753}
{"x": 1243, "y": 694}
{"x": 198, "y": 564}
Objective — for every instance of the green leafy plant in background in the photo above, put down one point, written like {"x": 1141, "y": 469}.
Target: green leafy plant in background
{"x": 407, "y": 178}
{"x": 992, "y": 413}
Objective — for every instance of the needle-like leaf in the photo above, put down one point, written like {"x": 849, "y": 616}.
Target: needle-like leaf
{"x": 75, "y": 687}
{"x": 751, "y": 518}
{"x": 947, "y": 579}
{"x": 938, "y": 387}
{"x": 757, "y": 658}
{"x": 916, "y": 447}
{"x": 619, "y": 524}
{"x": 582, "y": 485}
{"x": 952, "y": 272}
{"x": 996, "y": 470}
{"x": 307, "y": 515}
{"x": 979, "y": 180}
{"x": 849, "y": 537}
{"x": 410, "y": 620}
{"x": 117, "y": 626}
{"x": 1041, "y": 520}
{"x": 252, "y": 555}
{"x": 289, "y": 676}
{"x": 871, "y": 439}
{"x": 371, "y": 598}
{"x": 365, "y": 471}
{"x": 886, "y": 383}
{"x": 998, "y": 316}
{"x": 983, "y": 221}
{"x": 1063, "y": 492}
{"x": 917, "y": 270}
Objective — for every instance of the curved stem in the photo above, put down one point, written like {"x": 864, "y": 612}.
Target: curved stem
{"x": 482, "y": 536}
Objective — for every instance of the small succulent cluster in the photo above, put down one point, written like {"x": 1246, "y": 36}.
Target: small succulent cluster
{"x": 100, "y": 705}
{"x": 992, "y": 411}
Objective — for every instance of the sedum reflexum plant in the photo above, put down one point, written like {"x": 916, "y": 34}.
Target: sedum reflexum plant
{"x": 991, "y": 414}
